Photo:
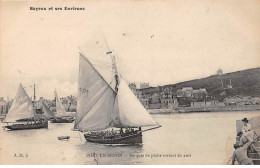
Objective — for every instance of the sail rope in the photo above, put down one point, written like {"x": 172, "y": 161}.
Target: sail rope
{"x": 104, "y": 67}
{"x": 84, "y": 57}
{"x": 99, "y": 61}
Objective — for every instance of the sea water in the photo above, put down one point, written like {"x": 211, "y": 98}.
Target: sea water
{"x": 192, "y": 138}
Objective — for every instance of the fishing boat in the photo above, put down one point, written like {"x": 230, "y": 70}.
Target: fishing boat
{"x": 22, "y": 114}
{"x": 253, "y": 152}
{"x": 61, "y": 116}
{"x": 109, "y": 113}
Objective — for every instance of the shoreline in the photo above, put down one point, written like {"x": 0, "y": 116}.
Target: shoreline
{"x": 205, "y": 109}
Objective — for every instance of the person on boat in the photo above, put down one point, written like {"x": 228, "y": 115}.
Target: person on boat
{"x": 112, "y": 132}
{"x": 246, "y": 132}
{"x": 240, "y": 154}
{"x": 121, "y": 131}
{"x": 246, "y": 127}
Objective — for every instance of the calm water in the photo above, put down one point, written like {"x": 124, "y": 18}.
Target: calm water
{"x": 203, "y": 138}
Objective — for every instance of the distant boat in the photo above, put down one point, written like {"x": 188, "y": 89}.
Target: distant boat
{"x": 47, "y": 112}
{"x": 101, "y": 108}
{"x": 61, "y": 116}
{"x": 63, "y": 137}
{"x": 22, "y": 115}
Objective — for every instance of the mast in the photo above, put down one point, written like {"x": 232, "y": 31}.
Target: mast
{"x": 113, "y": 66}
{"x": 34, "y": 97}
{"x": 115, "y": 71}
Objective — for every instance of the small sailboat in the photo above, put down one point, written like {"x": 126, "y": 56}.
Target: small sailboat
{"x": 22, "y": 113}
{"x": 101, "y": 109}
{"x": 47, "y": 112}
{"x": 61, "y": 116}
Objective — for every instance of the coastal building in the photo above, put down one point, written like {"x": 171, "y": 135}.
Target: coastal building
{"x": 166, "y": 92}
{"x": 185, "y": 92}
{"x": 3, "y": 106}
{"x": 168, "y": 95}
{"x": 144, "y": 85}
{"x": 138, "y": 94}
{"x": 132, "y": 86}
{"x": 239, "y": 100}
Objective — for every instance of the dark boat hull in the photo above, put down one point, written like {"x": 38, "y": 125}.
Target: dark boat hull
{"x": 135, "y": 138}
{"x": 62, "y": 120}
{"x": 28, "y": 126}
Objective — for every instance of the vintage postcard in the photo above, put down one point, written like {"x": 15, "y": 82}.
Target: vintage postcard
{"x": 143, "y": 82}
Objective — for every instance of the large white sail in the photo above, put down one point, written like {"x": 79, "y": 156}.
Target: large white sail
{"x": 99, "y": 116}
{"x": 100, "y": 107}
{"x": 49, "y": 114}
{"x": 21, "y": 108}
{"x": 60, "y": 111}
{"x": 131, "y": 112}
{"x": 95, "y": 98}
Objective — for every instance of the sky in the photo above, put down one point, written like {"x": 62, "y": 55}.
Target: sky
{"x": 160, "y": 42}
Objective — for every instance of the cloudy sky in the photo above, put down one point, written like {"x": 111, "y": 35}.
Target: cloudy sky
{"x": 159, "y": 42}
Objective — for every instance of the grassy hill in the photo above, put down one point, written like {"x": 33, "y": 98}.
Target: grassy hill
{"x": 245, "y": 83}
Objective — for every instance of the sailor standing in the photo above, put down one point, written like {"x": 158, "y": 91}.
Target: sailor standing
{"x": 246, "y": 127}
{"x": 247, "y": 132}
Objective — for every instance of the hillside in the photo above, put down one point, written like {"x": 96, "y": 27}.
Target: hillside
{"x": 245, "y": 83}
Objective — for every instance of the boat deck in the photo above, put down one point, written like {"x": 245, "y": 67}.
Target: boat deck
{"x": 128, "y": 138}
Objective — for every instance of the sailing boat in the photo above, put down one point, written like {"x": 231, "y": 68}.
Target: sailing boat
{"x": 22, "y": 113}
{"x": 101, "y": 108}
{"x": 61, "y": 116}
{"x": 47, "y": 112}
